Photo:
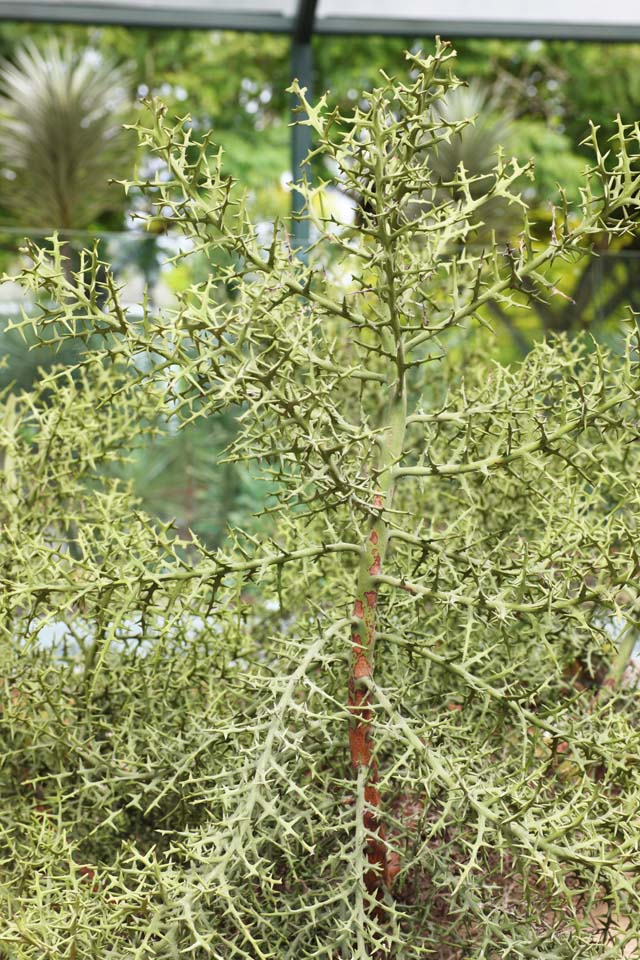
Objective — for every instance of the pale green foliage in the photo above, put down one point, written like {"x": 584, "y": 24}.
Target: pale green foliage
{"x": 60, "y": 134}
{"x": 178, "y": 779}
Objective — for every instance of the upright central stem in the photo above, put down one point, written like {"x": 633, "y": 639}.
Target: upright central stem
{"x": 361, "y": 744}
{"x": 362, "y": 748}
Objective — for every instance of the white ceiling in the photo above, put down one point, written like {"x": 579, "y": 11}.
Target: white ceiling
{"x": 521, "y": 14}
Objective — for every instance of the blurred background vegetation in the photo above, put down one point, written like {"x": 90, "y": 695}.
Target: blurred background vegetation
{"x": 65, "y": 93}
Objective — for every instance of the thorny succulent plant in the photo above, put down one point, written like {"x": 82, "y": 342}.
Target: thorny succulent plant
{"x": 428, "y": 749}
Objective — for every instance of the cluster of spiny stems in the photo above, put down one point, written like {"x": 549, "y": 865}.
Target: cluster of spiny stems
{"x": 431, "y": 747}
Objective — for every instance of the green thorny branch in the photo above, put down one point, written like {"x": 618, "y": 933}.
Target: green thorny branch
{"x": 492, "y": 804}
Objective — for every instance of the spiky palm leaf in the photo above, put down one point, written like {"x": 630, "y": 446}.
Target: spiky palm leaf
{"x": 61, "y": 139}
{"x": 476, "y": 145}
{"x": 474, "y": 148}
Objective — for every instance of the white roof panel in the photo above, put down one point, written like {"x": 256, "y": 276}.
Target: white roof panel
{"x": 589, "y": 19}
{"x": 534, "y": 18}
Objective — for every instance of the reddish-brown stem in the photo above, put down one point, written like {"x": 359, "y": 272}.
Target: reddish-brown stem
{"x": 359, "y": 703}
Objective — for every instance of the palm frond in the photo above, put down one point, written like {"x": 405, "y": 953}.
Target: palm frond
{"x": 61, "y": 138}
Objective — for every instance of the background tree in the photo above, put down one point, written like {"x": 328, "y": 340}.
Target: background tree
{"x": 61, "y": 137}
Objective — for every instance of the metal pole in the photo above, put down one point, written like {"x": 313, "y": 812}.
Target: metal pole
{"x": 302, "y": 70}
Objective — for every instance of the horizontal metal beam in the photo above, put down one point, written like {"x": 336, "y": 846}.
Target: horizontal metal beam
{"x": 133, "y": 15}
{"x": 208, "y": 18}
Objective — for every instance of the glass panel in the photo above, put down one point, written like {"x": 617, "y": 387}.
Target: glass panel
{"x": 545, "y": 18}
{"x": 380, "y": 14}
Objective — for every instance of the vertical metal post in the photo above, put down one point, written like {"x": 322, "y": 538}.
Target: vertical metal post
{"x": 302, "y": 70}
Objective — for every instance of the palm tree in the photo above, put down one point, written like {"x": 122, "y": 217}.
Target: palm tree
{"x": 477, "y": 144}
{"x": 61, "y": 138}
{"x": 475, "y": 148}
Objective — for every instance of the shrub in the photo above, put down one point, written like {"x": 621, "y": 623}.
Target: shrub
{"x": 205, "y": 758}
